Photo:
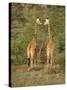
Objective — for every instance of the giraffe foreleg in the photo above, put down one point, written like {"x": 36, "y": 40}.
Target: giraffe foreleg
{"x": 48, "y": 56}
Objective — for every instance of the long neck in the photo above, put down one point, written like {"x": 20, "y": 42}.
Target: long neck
{"x": 35, "y": 37}
{"x": 49, "y": 32}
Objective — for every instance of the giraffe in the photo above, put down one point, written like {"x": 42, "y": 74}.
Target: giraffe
{"x": 50, "y": 44}
{"x": 32, "y": 52}
{"x": 32, "y": 46}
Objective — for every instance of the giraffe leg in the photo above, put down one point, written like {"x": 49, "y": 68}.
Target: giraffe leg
{"x": 48, "y": 57}
{"x": 35, "y": 62}
{"x": 32, "y": 58}
{"x": 28, "y": 56}
{"x": 31, "y": 64}
{"x": 35, "y": 58}
{"x": 47, "y": 60}
{"x": 51, "y": 61}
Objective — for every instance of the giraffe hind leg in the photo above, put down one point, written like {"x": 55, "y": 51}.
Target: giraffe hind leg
{"x": 28, "y": 56}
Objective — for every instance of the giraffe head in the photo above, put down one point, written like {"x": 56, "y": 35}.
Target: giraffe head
{"x": 38, "y": 21}
{"x": 46, "y": 21}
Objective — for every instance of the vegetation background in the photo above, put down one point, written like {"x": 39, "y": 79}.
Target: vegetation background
{"x": 23, "y": 18}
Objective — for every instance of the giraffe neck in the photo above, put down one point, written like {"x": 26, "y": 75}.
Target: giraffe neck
{"x": 49, "y": 33}
{"x": 35, "y": 37}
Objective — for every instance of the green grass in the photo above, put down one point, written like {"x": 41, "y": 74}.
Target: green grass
{"x": 40, "y": 75}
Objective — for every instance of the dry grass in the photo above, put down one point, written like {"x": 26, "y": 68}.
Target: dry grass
{"x": 40, "y": 75}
